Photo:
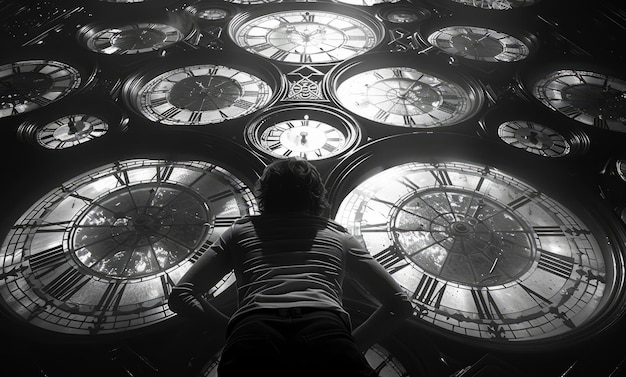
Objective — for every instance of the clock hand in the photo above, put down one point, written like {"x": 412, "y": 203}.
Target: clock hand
{"x": 493, "y": 266}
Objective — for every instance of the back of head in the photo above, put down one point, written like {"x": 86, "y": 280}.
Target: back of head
{"x": 291, "y": 185}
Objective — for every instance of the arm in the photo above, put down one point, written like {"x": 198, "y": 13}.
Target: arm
{"x": 186, "y": 298}
{"x": 395, "y": 306}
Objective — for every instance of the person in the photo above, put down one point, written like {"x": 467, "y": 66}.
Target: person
{"x": 290, "y": 263}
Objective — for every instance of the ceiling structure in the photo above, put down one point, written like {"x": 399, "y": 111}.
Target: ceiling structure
{"x": 475, "y": 147}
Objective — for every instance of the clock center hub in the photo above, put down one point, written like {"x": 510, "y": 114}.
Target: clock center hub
{"x": 477, "y": 44}
{"x": 141, "y": 226}
{"x": 453, "y": 234}
{"x": 204, "y": 93}
{"x": 405, "y": 97}
{"x": 462, "y": 228}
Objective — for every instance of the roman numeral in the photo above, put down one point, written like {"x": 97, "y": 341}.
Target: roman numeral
{"x": 224, "y": 221}
{"x": 485, "y": 305}
{"x": 391, "y": 259}
{"x": 519, "y": 202}
{"x": 66, "y": 284}
{"x": 46, "y": 261}
{"x": 430, "y": 291}
{"x": 556, "y": 264}
{"x": 111, "y": 298}
{"x": 442, "y": 177}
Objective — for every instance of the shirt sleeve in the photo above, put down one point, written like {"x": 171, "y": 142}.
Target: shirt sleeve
{"x": 186, "y": 298}
{"x": 370, "y": 275}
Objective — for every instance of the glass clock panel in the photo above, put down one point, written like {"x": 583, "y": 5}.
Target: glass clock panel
{"x": 307, "y": 36}
{"x": 30, "y": 84}
{"x": 405, "y": 96}
{"x": 100, "y": 254}
{"x": 482, "y": 253}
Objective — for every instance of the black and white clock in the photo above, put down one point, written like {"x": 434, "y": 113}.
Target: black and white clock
{"x": 99, "y": 254}
{"x": 487, "y": 254}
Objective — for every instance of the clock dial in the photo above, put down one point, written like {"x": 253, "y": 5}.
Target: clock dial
{"x": 479, "y": 43}
{"x": 534, "y": 138}
{"x": 27, "y": 85}
{"x": 484, "y": 254}
{"x": 70, "y": 130}
{"x": 305, "y": 35}
{"x": 589, "y": 97}
{"x": 405, "y": 95}
{"x": 311, "y": 132}
{"x": 128, "y": 39}
{"x": 199, "y": 94}
{"x": 100, "y": 254}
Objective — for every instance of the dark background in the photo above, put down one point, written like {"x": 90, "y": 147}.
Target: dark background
{"x": 589, "y": 33}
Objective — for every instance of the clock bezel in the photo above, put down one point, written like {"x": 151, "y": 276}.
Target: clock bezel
{"x": 429, "y": 65}
{"x": 247, "y": 63}
{"x": 294, "y": 111}
{"x": 240, "y": 20}
{"x": 427, "y": 148}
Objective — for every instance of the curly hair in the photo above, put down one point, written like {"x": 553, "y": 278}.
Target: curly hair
{"x": 290, "y": 185}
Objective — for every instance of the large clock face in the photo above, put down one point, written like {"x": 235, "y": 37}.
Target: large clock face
{"x": 482, "y": 253}
{"x": 307, "y": 35}
{"x": 100, "y": 254}
{"x": 405, "y": 96}
{"x": 591, "y": 98}
{"x": 479, "y": 43}
{"x": 311, "y": 132}
{"x": 199, "y": 94}
{"x": 30, "y": 84}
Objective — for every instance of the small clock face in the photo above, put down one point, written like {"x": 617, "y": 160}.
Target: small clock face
{"x": 479, "y": 43}
{"x": 482, "y": 253}
{"x": 199, "y": 94}
{"x": 405, "y": 96}
{"x": 307, "y": 36}
{"x": 30, "y": 84}
{"x": 70, "y": 130}
{"x": 100, "y": 254}
{"x": 309, "y": 132}
{"x": 130, "y": 39}
{"x": 534, "y": 138}
{"x": 591, "y": 98}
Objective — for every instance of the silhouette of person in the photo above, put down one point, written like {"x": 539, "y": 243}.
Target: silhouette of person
{"x": 290, "y": 262}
